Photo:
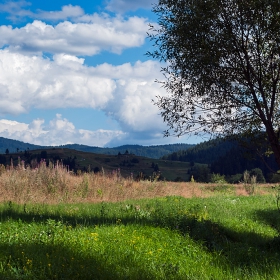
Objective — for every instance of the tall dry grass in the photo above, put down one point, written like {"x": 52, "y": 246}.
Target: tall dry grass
{"x": 55, "y": 184}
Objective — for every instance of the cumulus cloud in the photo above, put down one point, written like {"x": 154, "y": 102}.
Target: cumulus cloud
{"x": 28, "y": 79}
{"x": 67, "y": 12}
{"x": 57, "y": 132}
{"x": 84, "y": 38}
{"x": 18, "y": 10}
{"x": 122, "y": 6}
{"x": 135, "y": 88}
{"x": 27, "y": 82}
{"x": 124, "y": 92}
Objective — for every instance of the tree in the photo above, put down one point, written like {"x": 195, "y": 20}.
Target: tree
{"x": 259, "y": 175}
{"x": 222, "y": 67}
{"x": 201, "y": 173}
{"x": 7, "y": 151}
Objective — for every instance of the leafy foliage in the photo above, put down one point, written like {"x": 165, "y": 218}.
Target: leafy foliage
{"x": 222, "y": 67}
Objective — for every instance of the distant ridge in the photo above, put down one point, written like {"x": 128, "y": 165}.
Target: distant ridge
{"x": 14, "y": 145}
{"x": 156, "y": 151}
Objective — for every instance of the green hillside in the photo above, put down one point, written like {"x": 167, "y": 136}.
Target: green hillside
{"x": 125, "y": 164}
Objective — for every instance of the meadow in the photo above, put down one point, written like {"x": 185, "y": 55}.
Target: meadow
{"x": 58, "y": 225}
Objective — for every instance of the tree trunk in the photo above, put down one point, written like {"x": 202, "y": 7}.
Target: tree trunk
{"x": 274, "y": 144}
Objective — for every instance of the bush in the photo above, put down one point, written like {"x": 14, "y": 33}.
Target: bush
{"x": 274, "y": 178}
{"x": 218, "y": 179}
{"x": 201, "y": 173}
{"x": 235, "y": 179}
{"x": 259, "y": 175}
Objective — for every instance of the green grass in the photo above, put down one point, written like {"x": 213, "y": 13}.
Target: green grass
{"x": 222, "y": 237}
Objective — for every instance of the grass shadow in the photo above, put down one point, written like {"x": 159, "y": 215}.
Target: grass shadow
{"x": 59, "y": 262}
{"x": 236, "y": 249}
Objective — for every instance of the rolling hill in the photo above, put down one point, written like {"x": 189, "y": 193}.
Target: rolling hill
{"x": 126, "y": 165}
{"x": 155, "y": 152}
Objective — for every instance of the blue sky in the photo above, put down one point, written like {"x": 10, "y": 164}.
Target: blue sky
{"x": 76, "y": 72}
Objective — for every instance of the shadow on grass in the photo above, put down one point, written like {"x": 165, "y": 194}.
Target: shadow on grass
{"x": 271, "y": 218}
{"x": 236, "y": 249}
{"x": 58, "y": 262}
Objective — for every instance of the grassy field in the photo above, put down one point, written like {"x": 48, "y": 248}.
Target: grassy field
{"x": 56, "y": 225}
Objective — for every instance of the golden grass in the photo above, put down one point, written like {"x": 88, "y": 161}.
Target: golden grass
{"x": 55, "y": 184}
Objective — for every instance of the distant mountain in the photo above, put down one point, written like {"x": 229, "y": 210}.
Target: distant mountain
{"x": 155, "y": 152}
{"x": 14, "y": 146}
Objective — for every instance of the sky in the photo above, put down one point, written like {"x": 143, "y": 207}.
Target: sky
{"x": 76, "y": 71}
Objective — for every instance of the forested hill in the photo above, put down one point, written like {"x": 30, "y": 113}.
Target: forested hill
{"x": 13, "y": 146}
{"x": 155, "y": 152}
{"x": 225, "y": 157}
{"x": 205, "y": 152}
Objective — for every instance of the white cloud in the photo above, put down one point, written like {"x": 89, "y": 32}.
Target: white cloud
{"x": 17, "y": 11}
{"x": 27, "y": 82}
{"x": 67, "y": 12}
{"x": 122, "y": 6}
{"x": 124, "y": 92}
{"x": 87, "y": 38}
{"x": 135, "y": 88}
{"x": 59, "y": 131}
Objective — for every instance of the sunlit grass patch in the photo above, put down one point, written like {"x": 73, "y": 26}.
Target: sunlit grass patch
{"x": 166, "y": 238}
{"x": 55, "y": 251}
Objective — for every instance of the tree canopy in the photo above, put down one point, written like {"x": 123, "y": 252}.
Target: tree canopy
{"x": 222, "y": 68}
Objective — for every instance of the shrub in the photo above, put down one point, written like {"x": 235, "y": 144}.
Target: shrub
{"x": 235, "y": 179}
{"x": 218, "y": 179}
{"x": 259, "y": 175}
{"x": 249, "y": 182}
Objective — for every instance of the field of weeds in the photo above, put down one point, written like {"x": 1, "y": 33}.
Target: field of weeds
{"x": 58, "y": 225}
{"x": 55, "y": 184}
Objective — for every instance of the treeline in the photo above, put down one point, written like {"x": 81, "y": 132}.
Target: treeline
{"x": 156, "y": 151}
{"x": 33, "y": 159}
{"x": 205, "y": 152}
{"x": 228, "y": 158}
